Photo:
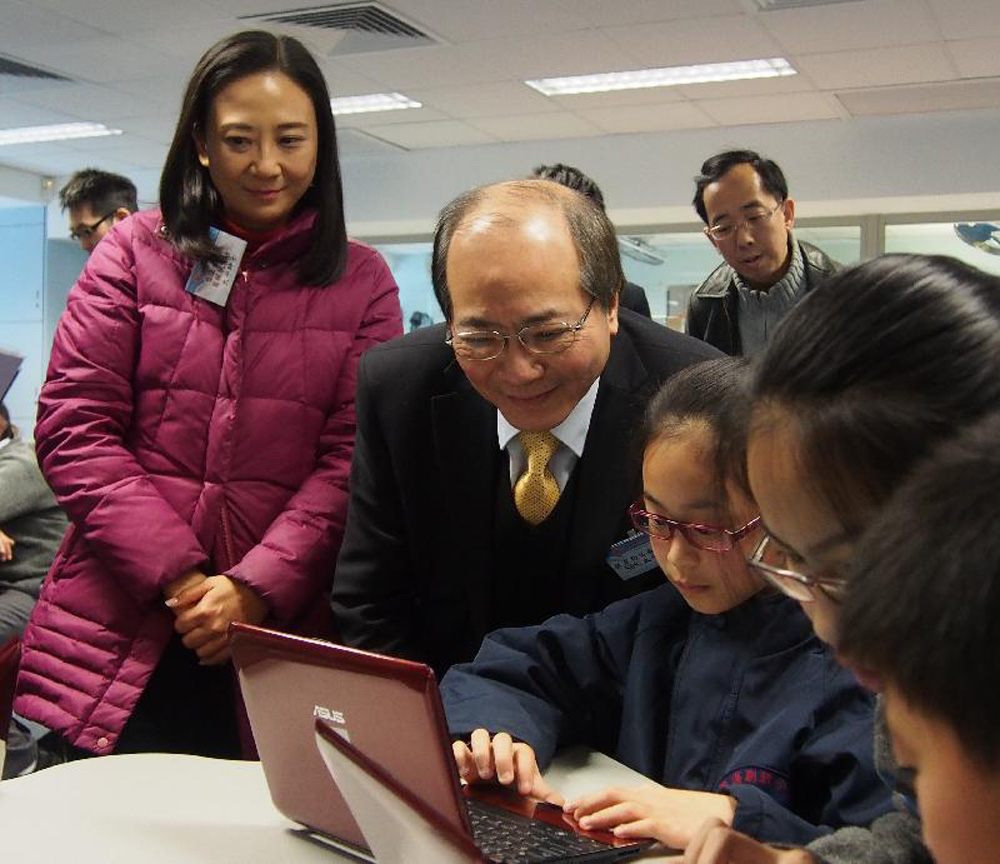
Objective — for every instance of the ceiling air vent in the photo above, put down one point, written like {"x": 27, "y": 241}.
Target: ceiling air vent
{"x": 356, "y": 27}
{"x": 15, "y": 69}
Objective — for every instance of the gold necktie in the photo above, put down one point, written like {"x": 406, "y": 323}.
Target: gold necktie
{"x": 536, "y": 491}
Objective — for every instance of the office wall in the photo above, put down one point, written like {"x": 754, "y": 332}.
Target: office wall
{"x": 22, "y": 251}
{"x": 647, "y": 178}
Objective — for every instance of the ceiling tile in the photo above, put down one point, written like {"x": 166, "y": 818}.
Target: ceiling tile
{"x": 484, "y": 100}
{"x": 544, "y": 56}
{"x": 906, "y": 64}
{"x": 27, "y": 26}
{"x": 752, "y": 87}
{"x": 845, "y": 26}
{"x": 975, "y": 58}
{"x": 121, "y": 17}
{"x": 468, "y": 20}
{"x": 436, "y": 66}
{"x": 537, "y": 127}
{"x": 950, "y": 96}
{"x": 648, "y": 118}
{"x": 967, "y": 19}
{"x": 156, "y": 127}
{"x": 108, "y": 58}
{"x": 770, "y": 109}
{"x": 448, "y": 133}
{"x": 620, "y": 98}
{"x": 679, "y": 43}
{"x": 355, "y": 142}
{"x": 14, "y": 113}
{"x": 601, "y": 13}
{"x": 183, "y": 40}
{"x": 390, "y": 118}
{"x": 90, "y": 101}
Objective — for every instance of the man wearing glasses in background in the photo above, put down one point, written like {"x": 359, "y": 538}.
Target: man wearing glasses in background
{"x": 492, "y": 468}
{"x": 96, "y": 201}
{"x": 743, "y": 200}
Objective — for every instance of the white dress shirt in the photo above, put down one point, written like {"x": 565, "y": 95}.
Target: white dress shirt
{"x": 572, "y": 435}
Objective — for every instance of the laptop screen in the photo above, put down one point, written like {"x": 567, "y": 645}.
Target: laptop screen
{"x": 380, "y": 704}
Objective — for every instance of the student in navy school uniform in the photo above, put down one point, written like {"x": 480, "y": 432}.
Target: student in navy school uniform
{"x": 713, "y": 685}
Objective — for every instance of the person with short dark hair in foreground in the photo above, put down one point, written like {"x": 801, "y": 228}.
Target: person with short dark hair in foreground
{"x": 868, "y": 376}
{"x": 922, "y": 618}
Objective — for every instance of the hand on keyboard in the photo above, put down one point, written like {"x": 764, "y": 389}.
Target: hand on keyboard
{"x": 499, "y": 758}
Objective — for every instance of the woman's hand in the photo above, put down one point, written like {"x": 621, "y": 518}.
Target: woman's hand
{"x": 6, "y": 547}
{"x": 501, "y": 759}
{"x": 205, "y": 610}
{"x": 672, "y": 816}
{"x": 716, "y": 843}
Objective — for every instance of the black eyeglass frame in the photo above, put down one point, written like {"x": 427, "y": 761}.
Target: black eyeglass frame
{"x": 565, "y": 328}
{"x": 85, "y": 231}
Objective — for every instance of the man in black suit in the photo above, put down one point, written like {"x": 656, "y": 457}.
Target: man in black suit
{"x": 445, "y": 538}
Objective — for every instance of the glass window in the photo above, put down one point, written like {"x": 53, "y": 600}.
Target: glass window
{"x": 411, "y": 265}
{"x": 942, "y": 238}
{"x": 667, "y": 265}
{"x": 841, "y": 242}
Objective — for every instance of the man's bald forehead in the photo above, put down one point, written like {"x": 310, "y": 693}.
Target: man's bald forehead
{"x": 505, "y": 205}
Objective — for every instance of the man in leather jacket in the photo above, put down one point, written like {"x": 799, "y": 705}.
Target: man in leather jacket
{"x": 743, "y": 200}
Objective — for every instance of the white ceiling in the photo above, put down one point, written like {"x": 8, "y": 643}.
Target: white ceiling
{"x": 129, "y": 59}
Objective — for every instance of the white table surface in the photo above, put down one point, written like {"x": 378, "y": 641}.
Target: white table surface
{"x": 161, "y": 809}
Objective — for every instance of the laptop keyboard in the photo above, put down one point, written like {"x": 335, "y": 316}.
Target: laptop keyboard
{"x": 509, "y": 838}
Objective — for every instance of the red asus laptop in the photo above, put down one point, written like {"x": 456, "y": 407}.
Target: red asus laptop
{"x": 389, "y": 710}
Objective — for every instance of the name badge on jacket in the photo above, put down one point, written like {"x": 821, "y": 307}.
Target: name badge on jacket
{"x": 632, "y": 557}
{"x": 213, "y": 282}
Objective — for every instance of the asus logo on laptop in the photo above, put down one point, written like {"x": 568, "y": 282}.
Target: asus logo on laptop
{"x": 328, "y": 714}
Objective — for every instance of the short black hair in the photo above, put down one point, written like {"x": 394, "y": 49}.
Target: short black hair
{"x": 102, "y": 191}
{"x": 571, "y": 178}
{"x": 8, "y": 429}
{"x": 708, "y": 392}
{"x": 924, "y": 601}
{"x": 772, "y": 178}
{"x": 875, "y": 367}
{"x": 593, "y": 234}
{"x": 188, "y": 198}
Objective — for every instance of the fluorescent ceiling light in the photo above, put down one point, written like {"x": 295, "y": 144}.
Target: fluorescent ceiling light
{"x": 371, "y": 102}
{"x": 668, "y": 76}
{"x": 55, "y": 132}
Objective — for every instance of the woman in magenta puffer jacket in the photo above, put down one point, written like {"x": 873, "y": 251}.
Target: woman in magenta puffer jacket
{"x": 197, "y": 423}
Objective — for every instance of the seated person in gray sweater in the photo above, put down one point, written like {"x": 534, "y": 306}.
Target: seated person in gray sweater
{"x": 31, "y": 528}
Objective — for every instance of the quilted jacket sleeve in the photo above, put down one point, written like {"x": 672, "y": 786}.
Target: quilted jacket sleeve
{"x": 84, "y": 413}
{"x": 292, "y": 565}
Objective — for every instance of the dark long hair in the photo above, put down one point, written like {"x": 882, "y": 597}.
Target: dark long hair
{"x": 189, "y": 199}
{"x": 875, "y": 367}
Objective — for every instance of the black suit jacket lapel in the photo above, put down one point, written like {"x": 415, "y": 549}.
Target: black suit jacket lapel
{"x": 465, "y": 449}
{"x": 607, "y": 474}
